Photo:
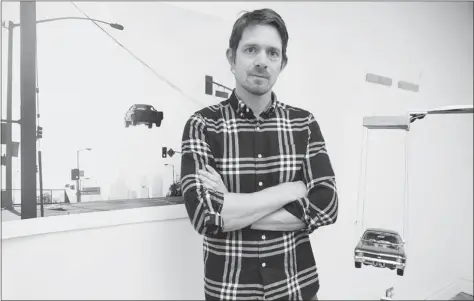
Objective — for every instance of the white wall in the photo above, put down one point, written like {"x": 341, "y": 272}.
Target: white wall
{"x": 153, "y": 259}
{"x": 332, "y": 47}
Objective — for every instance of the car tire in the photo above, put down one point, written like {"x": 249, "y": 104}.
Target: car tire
{"x": 358, "y": 265}
{"x": 127, "y": 124}
{"x": 150, "y": 125}
{"x": 134, "y": 122}
{"x": 400, "y": 272}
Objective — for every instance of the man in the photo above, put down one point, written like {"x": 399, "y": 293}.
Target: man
{"x": 256, "y": 177}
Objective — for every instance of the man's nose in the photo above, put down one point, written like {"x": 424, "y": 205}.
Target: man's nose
{"x": 261, "y": 61}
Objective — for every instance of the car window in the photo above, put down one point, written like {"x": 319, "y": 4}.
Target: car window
{"x": 378, "y": 236}
{"x": 143, "y": 107}
{"x": 391, "y": 239}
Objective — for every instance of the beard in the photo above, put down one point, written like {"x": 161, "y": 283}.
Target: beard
{"x": 258, "y": 86}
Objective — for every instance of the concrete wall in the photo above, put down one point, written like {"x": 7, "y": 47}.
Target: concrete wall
{"x": 146, "y": 253}
{"x": 332, "y": 47}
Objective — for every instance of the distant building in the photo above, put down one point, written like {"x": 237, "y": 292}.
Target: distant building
{"x": 157, "y": 186}
{"x": 119, "y": 190}
{"x": 132, "y": 194}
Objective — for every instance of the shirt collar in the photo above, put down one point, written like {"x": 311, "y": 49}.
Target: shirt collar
{"x": 243, "y": 110}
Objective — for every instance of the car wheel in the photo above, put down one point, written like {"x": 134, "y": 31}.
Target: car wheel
{"x": 134, "y": 122}
{"x": 400, "y": 272}
{"x": 358, "y": 265}
{"x": 150, "y": 125}
{"x": 127, "y": 124}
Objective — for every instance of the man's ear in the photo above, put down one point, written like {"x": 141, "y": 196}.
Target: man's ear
{"x": 230, "y": 58}
{"x": 283, "y": 64}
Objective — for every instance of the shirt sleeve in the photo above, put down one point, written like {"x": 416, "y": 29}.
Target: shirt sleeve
{"x": 203, "y": 205}
{"x": 320, "y": 207}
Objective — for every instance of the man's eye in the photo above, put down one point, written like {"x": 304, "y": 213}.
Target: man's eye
{"x": 250, "y": 50}
{"x": 274, "y": 54}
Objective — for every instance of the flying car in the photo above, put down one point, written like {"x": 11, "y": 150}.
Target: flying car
{"x": 143, "y": 114}
{"x": 381, "y": 248}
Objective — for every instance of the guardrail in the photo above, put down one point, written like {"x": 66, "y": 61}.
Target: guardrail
{"x": 50, "y": 196}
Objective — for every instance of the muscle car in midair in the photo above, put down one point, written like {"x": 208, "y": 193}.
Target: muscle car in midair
{"x": 381, "y": 248}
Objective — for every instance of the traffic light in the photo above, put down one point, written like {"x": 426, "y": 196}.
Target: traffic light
{"x": 74, "y": 174}
{"x": 208, "y": 85}
{"x": 39, "y": 132}
{"x": 163, "y": 151}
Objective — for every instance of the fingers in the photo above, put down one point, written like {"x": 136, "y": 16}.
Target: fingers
{"x": 206, "y": 174}
{"x": 209, "y": 184}
{"x": 210, "y": 177}
{"x": 212, "y": 170}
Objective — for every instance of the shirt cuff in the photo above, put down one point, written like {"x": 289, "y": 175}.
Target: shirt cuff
{"x": 213, "y": 219}
{"x": 300, "y": 209}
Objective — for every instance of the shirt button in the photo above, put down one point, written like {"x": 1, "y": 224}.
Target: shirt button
{"x": 264, "y": 237}
{"x": 264, "y": 264}
{"x": 247, "y": 110}
{"x": 259, "y": 155}
{"x": 260, "y": 183}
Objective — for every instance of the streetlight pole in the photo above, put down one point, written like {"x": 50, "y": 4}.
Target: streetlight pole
{"x": 78, "y": 180}
{"x": 27, "y": 10}
{"x": 173, "y": 170}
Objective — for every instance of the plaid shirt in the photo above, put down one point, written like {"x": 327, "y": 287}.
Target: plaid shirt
{"x": 283, "y": 144}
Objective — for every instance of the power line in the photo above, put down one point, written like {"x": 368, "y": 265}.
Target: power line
{"x": 137, "y": 58}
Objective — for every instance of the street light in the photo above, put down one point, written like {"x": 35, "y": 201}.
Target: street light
{"x": 78, "y": 180}
{"x": 173, "y": 169}
{"x": 8, "y": 202}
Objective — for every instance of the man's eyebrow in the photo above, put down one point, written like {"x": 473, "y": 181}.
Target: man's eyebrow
{"x": 257, "y": 45}
{"x": 250, "y": 45}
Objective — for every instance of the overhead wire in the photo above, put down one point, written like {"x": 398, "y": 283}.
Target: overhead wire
{"x": 136, "y": 57}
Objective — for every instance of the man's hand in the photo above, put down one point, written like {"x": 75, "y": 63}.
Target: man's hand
{"x": 296, "y": 189}
{"x": 212, "y": 180}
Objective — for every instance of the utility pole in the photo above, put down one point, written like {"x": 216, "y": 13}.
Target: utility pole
{"x": 78, "y": 180}
{"x": 28, "y": 108}
{"x": 40, "y": 170}
{"x": 8, "y": 201}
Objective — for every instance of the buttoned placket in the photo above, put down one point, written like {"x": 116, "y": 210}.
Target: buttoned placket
{"x": 258, "y": 149}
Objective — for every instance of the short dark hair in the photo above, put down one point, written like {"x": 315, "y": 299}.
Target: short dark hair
{"x": 260, "y": 16}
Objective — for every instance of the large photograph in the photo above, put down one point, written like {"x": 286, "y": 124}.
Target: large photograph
{"x": 236, "y": 151}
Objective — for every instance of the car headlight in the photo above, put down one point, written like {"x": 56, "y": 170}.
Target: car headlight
{"x": 359, "y": 254}
{"x": 399, "y": 260}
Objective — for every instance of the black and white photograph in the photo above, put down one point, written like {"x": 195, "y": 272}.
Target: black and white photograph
{"x": 173, "y": 150}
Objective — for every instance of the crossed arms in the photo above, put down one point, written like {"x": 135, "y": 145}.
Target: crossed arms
{"x": 286, "y": 207}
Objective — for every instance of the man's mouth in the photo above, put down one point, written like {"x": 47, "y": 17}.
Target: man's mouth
{"x": 260, "y": 76}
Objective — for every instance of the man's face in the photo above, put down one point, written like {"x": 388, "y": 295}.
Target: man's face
{"x": 258, "y": 60}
